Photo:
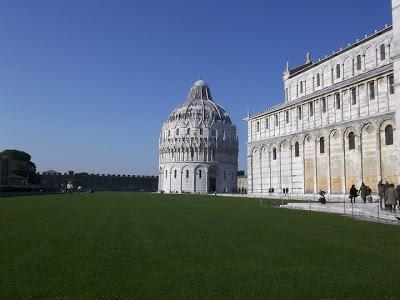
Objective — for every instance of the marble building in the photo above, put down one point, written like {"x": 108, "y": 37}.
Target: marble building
{"x": 198, "y": 146}
{"x": 337, "y": 124}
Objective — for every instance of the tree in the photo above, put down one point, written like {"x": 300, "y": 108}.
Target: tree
{"x": 21, "y": 164}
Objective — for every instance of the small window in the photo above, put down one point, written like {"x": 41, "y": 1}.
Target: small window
{"x": 337, "y": 100}
{"x": 276, "y": 120}
{"x": 200, "y": 174}
{"x": 177, "y": 131}
{"x": 258, "y": 126}
{"x": 201, "y": 131}
{"x": 166, "y": 174}
{"x": 371, "y": 89}
{"x": 318, "y": 80}
{"x": 382, "y": 51}
{"x": 188, "y": 131}
{"x": 391, "y": 85}
{"x": 301, "y": 87}
{"x": 187, "y": 173}
{"x": 323, "y": 105}
{"x": 352, "y": 141}
{"x": 296, "y": 149}
{"x": 175, "y": 173}
{"x": 266, "y": 123}
{"x": 321, "y": 145}
{"x": 274, "y": 154}
{"x": 286, "y": 94}
{"x": 337, "y": 71}
{"x": 353, "y": 96}
{"x": 169, "y": 132}
{"x": 358, "y": 62}
{"x": 311, "y": 106}
{"x": 287, "y": 116}
{"x": 389, "y": 135}
{"x": 299, "y": 112}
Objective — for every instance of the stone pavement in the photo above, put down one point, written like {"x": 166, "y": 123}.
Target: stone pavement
{"x": 368, "y": 211}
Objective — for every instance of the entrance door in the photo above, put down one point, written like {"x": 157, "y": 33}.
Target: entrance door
{"x": 212, "y": 185}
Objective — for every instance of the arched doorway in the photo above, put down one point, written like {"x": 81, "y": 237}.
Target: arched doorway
{"x": 212, "y": 179}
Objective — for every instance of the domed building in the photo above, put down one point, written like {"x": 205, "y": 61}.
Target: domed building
{"x": 198, "y": 146}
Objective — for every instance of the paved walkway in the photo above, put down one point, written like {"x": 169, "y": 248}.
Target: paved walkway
{"x": 369, "y": 211}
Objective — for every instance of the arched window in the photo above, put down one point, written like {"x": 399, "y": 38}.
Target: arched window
{"x": 321, "y": 145}
{"x": 201, "y": 131}
{"x": 389, "y": 135}
{"x": 358, "y": 62}
{"x": 318, "y": 80}
{"x": 175, "y": 172}
{"x": 166, "y": 174}
{"x": 382, "y": 51}
{"x": 352, "y": 141}
{"x": 296, "y": 149}
{"x": 337, "y": 71}
{"x": 274, "y": 154}
{"x": 187, "y": 173}
{"x": 200, "y": 174}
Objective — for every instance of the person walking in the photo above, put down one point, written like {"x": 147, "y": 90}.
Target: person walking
{"x": 390, "y": 197}
{"x": 363, "y": 192}
{"x": 398, "y": 194}
{"x": 353, "y": 194}
{"x": 381, "y": 192}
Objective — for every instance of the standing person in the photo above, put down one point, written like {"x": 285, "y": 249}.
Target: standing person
{"x": 390, "y": 197}
{"x": 381, "y": 192}
{"x": 398, "y": 194}
{"x": 353, "y": 194}
{"x": 363, "y": 192}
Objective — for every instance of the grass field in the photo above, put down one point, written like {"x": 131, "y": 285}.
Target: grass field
{"x": 125, "y": 245}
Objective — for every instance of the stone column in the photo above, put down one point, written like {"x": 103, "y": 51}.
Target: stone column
{"x": 315, "y": 165}
{"x": 378, "y": 155}
{"x": 328, "y": 169}
{"x": 360, "y": 174}
{"x": 181, "y": 181}
{"x": 291, "y": 168}
{"x": 396, "y": 70}
{"x": 344, "y": 163}
{"x": 261, "y": 177}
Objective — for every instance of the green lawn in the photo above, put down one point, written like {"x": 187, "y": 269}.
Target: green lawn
{"x": 126, "y": 245}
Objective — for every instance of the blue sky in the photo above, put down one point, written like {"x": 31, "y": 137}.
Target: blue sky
{"x": 86, "y": 85}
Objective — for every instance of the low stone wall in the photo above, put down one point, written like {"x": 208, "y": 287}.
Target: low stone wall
{"x": 101, "y": 182}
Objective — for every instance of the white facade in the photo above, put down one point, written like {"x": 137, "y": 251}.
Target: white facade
{"x": 198, "y": 146}
{"x": 337, "y": 125}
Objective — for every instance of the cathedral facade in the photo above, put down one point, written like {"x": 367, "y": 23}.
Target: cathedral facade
{"x": 198, "y": 146}
{"x": 337, "y": 124}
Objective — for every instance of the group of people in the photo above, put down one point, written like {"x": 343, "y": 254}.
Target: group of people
{"x": 365, "y": 192}
{"x": 389, "y": 196}
{"x": 285, "y": 191}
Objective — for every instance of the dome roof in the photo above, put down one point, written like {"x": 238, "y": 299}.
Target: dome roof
{"x": 199, "y": 107}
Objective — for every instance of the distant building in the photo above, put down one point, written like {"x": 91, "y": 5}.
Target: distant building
{"x": 242, "y": 184}
{"x": 337, "y": 124}
{"x": 198, "y": 146}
